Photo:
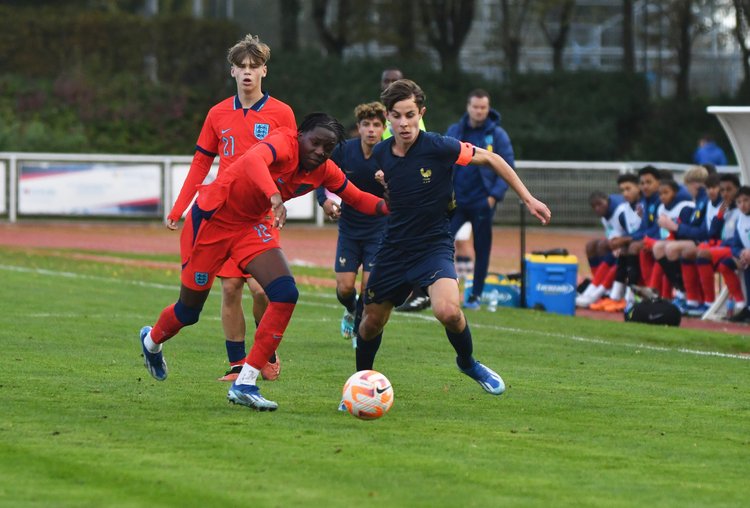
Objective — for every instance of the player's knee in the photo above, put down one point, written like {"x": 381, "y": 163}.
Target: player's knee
{"x": 370, "y": 327}
{"x": 448, "y": 313}
{"x": 187, "y": 315}
{"x": 591, "y": 247}
{"x": 345, "y": 289}
{"x": 231, "y": 289}
{"x": 282, "y": 290}
{"x": 727, "y": 264}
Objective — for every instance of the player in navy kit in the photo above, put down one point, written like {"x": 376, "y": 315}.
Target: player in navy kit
{"x": 417, "y": 246}
{"x": 359, "y": 234}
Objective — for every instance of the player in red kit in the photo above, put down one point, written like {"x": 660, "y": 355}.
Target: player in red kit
{"x": 232, "y": 127}
{"x": 284, "y": 165}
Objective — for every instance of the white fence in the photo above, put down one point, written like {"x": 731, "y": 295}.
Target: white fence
{"x": 83, "y": 185}
{"x": 145, "y": 186}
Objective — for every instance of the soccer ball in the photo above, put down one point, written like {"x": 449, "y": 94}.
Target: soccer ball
{"x": 367, "y": 395}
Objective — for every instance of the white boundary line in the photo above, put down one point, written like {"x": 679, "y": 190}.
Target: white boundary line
{"x": 400, "y": 317}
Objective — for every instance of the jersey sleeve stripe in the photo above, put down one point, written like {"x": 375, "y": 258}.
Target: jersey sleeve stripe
{"x": 273, "y": 150}
{"x": 204, "y": 151}
{"x": 343, "y": 186}
{"x": 466, "y": 154}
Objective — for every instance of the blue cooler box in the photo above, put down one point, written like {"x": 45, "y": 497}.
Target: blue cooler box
{"x": 508, "y": 291}
{"x": 551, "y": 282}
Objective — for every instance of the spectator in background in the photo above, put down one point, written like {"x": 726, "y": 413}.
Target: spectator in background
{"x": 708, "y": 152}
{"x": 478, "y": 189}
{"x": 600, "y": 257}
{"x": 721, "y": 215}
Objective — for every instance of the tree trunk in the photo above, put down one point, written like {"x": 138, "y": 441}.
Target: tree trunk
{"x": 559, "y": 40}
{"x": 289, "y": 13}
{"x": 447, "y": 23}
{"x": 512, "y": 28}
{"x": 684, "y": 46}
{"x": 406, "y": 35}
{"x": 334, "y": 39}
{"x": 741, "y": 25}
{"x": 628, "y": 41}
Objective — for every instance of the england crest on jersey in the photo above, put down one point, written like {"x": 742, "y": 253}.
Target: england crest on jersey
{"x": 261, "y": 130}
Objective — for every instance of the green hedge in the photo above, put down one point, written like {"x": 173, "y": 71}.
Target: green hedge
{"x": 74, "y": 81}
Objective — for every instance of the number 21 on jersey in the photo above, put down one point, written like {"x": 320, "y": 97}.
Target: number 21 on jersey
{"x": 228, "y": 145}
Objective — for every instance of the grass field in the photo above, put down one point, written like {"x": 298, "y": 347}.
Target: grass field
{"x": 596, "y": 413}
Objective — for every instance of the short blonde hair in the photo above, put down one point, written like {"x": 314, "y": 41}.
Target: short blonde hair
{"x": 249, "y": 46}
{"x": 370, "y": 110}
{"x": 696, "y": 174}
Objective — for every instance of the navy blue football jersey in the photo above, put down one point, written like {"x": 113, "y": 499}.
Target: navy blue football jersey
{"x": 420, "y": 188}
{"x": 361, "y": 172}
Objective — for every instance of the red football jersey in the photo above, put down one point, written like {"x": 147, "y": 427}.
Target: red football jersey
{"x": 241, "y": 193}
{"x": 229, "y": 131}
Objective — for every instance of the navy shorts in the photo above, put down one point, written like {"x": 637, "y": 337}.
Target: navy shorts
{"x": 396, "y": 272}
{"x": 352, "y": 253}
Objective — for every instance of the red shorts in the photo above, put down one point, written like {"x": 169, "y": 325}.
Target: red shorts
{"x": 718, "y": 254}
{"x": 232, "y": 270}
{"x": 208, "y": 247}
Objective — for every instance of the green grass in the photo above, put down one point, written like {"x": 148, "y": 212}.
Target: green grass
{"x": 596, "y": 413}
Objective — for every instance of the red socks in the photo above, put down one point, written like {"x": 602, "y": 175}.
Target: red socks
{"x": 269, "y": 333}
{"x": 167, "y": 326}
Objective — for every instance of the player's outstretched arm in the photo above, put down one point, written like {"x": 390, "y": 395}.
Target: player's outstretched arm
{"x": 199, "y": 168}
{"x": 484, "y": 158}
{"x": 361, "y": 201}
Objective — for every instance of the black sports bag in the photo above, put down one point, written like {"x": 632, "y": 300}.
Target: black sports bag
{"x": 655, "y": 312}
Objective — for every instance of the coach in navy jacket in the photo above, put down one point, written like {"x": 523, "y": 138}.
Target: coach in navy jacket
{"x": 478, "y": 189}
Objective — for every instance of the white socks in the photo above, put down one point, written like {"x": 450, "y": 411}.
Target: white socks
{"x": 152, "y": 346}
{"x": 248, "y": 375}
{"x": 618, "y": 291}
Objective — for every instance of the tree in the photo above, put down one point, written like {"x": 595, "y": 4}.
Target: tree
{"x": 447, "y": 23}
{"x": 628, "y": 41}
{"x": 333, "y": 37}
{"x": 406, "y": 35}
{"x": 682, "y": 21}
{"x": 289, "y": 14}
{"x": 742, "y": 34}
{"x": 561, "y": 12}
{"x": 513, "y": 23}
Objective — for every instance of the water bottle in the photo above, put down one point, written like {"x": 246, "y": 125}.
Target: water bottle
{"x": 492, "y": 305}
{"x": 730, "y": 307}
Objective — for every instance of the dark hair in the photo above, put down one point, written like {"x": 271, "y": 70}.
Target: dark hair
{"x": 729, "y": 177}
{"x": 712, "y": 180}
{"x": 744, "y": 191}
{"x": 402, "y": 90}
{"x": 670, "y": 183}
{"x": 710, "y": 168}
{"x": 650, "y": 170}
{"x": 627, "y": 177}
{"x": 479, "y": 93}
{"x": 597, "y": 195}
{"x": 325, "y": 121}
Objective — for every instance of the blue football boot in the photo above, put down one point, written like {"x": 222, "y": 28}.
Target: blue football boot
{"x": 154, "y": 362}
{"x": 486, "y": 377}
{"x": 249, "y": 395}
